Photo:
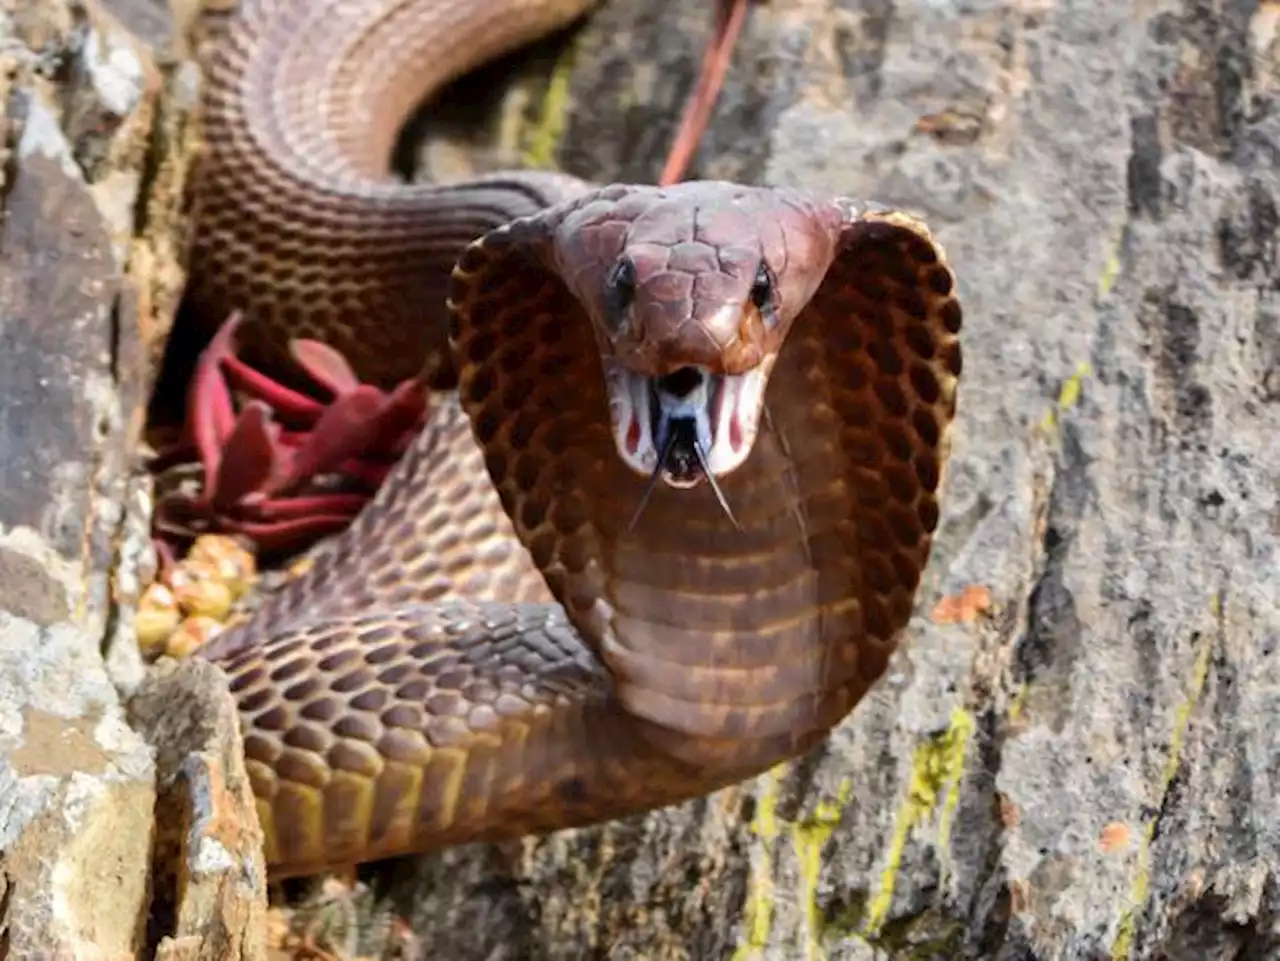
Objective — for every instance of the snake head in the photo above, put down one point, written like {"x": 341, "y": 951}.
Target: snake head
{"x": 691, "y": 291}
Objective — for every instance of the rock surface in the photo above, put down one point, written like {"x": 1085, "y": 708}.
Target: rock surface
{"x": 209, "y": 888}
{"x": 92, "y": 152}
{"x": 1074, "y": 755}
{"x": 76, "y": 800}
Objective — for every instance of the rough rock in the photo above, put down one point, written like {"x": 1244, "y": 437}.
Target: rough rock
{"x": 76, "y": 800}
{"x": 210, "y": 881}
{"x": 90, "y": 171}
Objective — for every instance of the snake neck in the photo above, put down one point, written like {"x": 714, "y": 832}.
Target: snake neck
{"x": 738, "y": 647}
{"x": 729, "y": 645}
{"x": 733, "y": 646}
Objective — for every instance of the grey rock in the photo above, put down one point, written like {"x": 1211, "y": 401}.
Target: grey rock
{"x": 76, "y": 798}
{"x": 83, "y": 288}
{"x": 209, "y": 884}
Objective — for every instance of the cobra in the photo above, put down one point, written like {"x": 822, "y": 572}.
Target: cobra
{"x": 667, "y": 519}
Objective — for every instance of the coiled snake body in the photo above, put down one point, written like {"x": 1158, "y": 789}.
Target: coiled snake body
{"x": 497, "y": 645}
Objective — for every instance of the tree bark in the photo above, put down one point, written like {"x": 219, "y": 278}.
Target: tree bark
{"x": 1073, "y": 756}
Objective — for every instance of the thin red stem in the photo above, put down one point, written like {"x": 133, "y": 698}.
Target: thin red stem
{"x": 731, "y": 15}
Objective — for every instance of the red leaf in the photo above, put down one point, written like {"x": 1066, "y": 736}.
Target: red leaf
{"x": 250, "y": 457}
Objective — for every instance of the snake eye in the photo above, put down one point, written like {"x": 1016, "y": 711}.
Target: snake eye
{"x": 619, "y": 291}
{"x": 762, "y": 295}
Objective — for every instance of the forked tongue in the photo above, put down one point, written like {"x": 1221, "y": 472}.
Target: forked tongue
{"x": 681, "y": 407}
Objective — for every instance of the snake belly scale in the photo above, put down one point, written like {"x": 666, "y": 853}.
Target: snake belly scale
{"x": 493, "y": 648}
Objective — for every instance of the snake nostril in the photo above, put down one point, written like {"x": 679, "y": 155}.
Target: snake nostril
{"x": 681, "y": 382}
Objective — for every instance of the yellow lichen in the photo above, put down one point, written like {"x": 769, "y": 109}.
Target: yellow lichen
{"x": 809, "y": 836}
{"x": 957, "y": 736}
{"x": 544, "y": 137}
{"x": 1068, "y": 396}
{"x": 935, "y": 778}
{"x": 1019, "y": 702}
{"x": 1111, "y": 263}
{"x": 758, "y": 910}
{"x": 1122, "y": 946}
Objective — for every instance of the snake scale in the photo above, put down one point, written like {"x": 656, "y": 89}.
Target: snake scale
{"x": 499, "y": 645}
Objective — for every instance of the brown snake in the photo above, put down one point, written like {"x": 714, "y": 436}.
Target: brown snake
{"x": 491, "y": 649}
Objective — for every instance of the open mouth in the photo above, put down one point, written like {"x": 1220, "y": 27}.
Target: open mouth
{"x": 686, "y": 427}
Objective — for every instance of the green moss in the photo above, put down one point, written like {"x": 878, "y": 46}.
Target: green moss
{"x": 909, "y": 938}
{"x": 849, "y": 923}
